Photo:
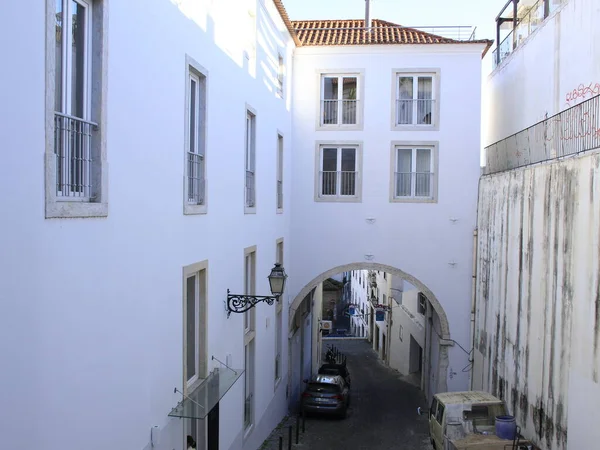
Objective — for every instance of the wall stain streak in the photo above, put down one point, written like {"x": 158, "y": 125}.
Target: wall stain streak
{"x": 541, "y": 291}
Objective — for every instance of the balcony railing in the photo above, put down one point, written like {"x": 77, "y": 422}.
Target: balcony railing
{"x": 279, "y": 194}
{"x": 331, "y": 109}
{"x": 414, "y": 111}
{"x": 250, "y": 189}
{"x": 73, "y": 150}
{"x": 196, "y": 183}
{"x": 342, "y": 183}
{"x": 569, "y": 132}
{"x": 413, "y": 184}
{"x": 528, "y": 19}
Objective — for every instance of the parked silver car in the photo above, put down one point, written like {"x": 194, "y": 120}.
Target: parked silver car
{"x": 326, "y": 394}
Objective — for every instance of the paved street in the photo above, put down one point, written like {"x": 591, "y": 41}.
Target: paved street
{"x": 382, "y": 414}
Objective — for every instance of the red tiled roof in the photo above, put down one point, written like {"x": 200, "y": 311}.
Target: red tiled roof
{"x": 286, "y": 20}
{"x": 352, "y": 32}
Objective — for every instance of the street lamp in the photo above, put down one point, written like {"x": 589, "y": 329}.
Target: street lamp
{"x": 240, "y": 303}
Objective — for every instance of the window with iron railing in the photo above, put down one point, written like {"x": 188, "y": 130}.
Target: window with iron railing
{"x": 280, "y": 74}
{"x": 339, "y": 100}
{"x": 338, "y": 174}
{"x": 74, "y": 132}
{"x": 250, "y": 182}
{"x": 414, "y": 174}
{"x": 196, "y": 170}
{"x": 415, "y": 99}
{"x": 279, "y": 173}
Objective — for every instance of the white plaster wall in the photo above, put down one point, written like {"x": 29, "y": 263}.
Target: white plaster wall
{"x": 417, "y": 238}
{"x": 538, "y": 307}
{"x": 91, "y": 328}
{"x": 412, "y": 323}
{"x": 554, "y": 68}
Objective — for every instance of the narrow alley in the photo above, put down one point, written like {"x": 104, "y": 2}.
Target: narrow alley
{"x": 382, "y": 413}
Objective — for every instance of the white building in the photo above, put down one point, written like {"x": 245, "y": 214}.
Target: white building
{"x": 356, "y": 203}
{"x": 537, "y": 277}
{"x": 148, "y": 169}
{"x": 407, "y": 332}
{"x": 145, "y": 142}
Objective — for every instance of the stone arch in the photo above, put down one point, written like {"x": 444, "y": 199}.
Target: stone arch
{"x": 445, "y": 340}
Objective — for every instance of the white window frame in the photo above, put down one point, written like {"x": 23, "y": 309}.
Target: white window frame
{"x": 196, "y": 72}
{"x": 320, "y": 145}
{"x": 430, "y": 145}
{"x": 341, "y": 73}
{"x": 200, "y": 272}
{"x": 279, "y": 177}
{"x": 250, "y": 161}
{"x": 91, "y": 200}
{"x": 435, "y": 73}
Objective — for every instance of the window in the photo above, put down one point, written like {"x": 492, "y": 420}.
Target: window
{"x": 195, "y": 142}
{"x": 440, "y": 413}
{"x": 279, "y": 173}
{"x": 400, "y": 336}
{"x": 413, "y": 177}
{"x": 416, "y": 100}
{"x": 249, "y": 286}
{"x": 250, "y": 161}
{"x": 278, "y": 345}
{"x": 421, "y": 303}
{"x": 76, "y": 158}
{"x": 280, "y": 75}
{"x": 249, "y": 385}
{"x": 195, "y": 293}
{"x": 338, "y": 172}
{"x": 340, "y": 102}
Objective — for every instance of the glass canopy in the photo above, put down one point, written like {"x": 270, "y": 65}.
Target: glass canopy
{"x": 201, "y": 400}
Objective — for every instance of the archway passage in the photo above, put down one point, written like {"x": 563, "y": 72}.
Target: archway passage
{"x": 314, "y": 307}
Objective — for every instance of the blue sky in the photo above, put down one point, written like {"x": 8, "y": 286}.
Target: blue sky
{"x": 479, "y": 13}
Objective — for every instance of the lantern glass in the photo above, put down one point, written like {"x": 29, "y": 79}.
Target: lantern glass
{"x": 277, "y": 279}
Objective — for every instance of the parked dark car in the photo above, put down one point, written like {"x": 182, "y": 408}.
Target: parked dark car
{"x": 336, "y": 369}
{"x": 326, "y": 394}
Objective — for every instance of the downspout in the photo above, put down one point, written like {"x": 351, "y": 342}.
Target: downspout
{"x": 473, "y": 304}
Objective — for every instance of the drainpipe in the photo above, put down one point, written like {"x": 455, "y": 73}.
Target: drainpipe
{"x": 473, "y": 304}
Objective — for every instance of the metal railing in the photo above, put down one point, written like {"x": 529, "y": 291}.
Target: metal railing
{"x": 195, "y": 176}
{"x": 73, "y": 150}
{"x": 413, "y": 184}
{"x": 250, "y": 189}
{"x": 456, "y": 32}
{"x": 414, "y": 111}
{"x": 569, "y": 132}
{"x": 279, "y": 194}
{"x": 528, "y": 21}
{"x": 341, "y": 183}
{"x": 330, "y": 112}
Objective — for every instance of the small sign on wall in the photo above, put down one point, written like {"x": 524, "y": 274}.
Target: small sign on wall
{"x": 379, "y": 315}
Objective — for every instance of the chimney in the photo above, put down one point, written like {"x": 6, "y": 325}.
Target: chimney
{"x": 368, "y": 15}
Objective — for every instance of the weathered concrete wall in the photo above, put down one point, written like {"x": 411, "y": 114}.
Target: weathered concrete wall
{"x": 538, "y": 298}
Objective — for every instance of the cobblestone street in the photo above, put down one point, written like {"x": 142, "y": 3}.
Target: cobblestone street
{"x": 382, "y": 414}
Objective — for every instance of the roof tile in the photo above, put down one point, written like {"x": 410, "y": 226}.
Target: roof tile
{"x": 353, "y": 32}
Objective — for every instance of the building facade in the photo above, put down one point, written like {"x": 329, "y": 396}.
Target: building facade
{"x": 154, "y": 146}
{"x": 152, "y": 164}
{"x": 536, "y": 306}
